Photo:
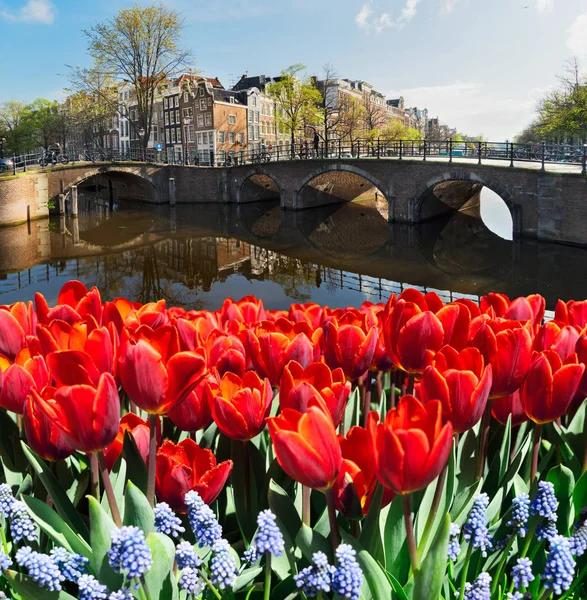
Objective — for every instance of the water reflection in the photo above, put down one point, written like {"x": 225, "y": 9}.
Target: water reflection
{"x": 196, "y": 255}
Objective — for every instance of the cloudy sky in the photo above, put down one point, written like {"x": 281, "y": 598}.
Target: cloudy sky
{"x": 480, "y": 65}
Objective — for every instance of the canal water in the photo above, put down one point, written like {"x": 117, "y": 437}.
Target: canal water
{"x": 197, "y": 255}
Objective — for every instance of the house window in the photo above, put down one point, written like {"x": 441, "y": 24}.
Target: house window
{"x": 186, "y": 97}
{"x": 232, "y": 119}
{"x": 241, "y": 156}
{"x": 256, "y": 117}
{"x": 188, "y": 113}
{"x": 209, "y": 101}
{"x": 203, "y": 104}
{"x": 221, "y": 156}
{"x": 166, "y": 118}
{"x": 201, "y": 91}
{"x": 167, "y": 136}
{"x": 241, "y": 137}
{"x": 253, "y": 101}
{"x": 208, "y": 120}
{"x": 165, "y": 103}
{"x": 177, "y": 101}
{"x": 172, "y": 118}
{"x": 154, "y": 135}
{"x": 231, "y": 137}
{"x": 250, "y": 116}
{"x": 221, "y": 137}
{"x": 179, "y": 135}
{"x": 200, "y": 120}
{"x": 189, "y": 134}
{"x": 173, "y": 135}
{"x": 177, "y": 117}
{"x": 256, "y": 132}
{"x": 200, "y": 138}
{"x": 251, "y": 132}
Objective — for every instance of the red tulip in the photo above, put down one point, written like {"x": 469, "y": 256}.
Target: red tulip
{"x": 152, "y": 315}
{"x": 581, "y": 351}
{"x": 74, "y": 302}
{"x": 411, "y": 446}
{"x": 306, "y": 446}
{"x": 43, "y": 436}
{"x": 139, "y": 429}
{"x": 26, "y": 374}
{"x": 381, "y": 359}
{"x": 298, "y": 386}
{"x": 310, "y": 312}
{"x": 508, "y": 350}
{"x": 14, "y": 327}
{"x": 350, "y": 343}
{"x": 529, "y": 309}
{"x": 194, "y": 413}
{"x": 505, "y": 406}
{"x": 272, "y": 345}
{"x": 184, "y": 467}
{"x": 88, "y": 416}
{"x": 248, "y": 310}
{"x": 561, "y": 340}
{"x": 571, "y": 313}
{"x": 356, "y": 481}
{"x": 154, "y": 375}
{"x": 413, "y": 336}
{"x": 226, "y": 353}
{"x": 240, "y": 406}
{"x": 463, "y": 393}
{"x": 550, "y": 386}
{"x": 194, "y": 332}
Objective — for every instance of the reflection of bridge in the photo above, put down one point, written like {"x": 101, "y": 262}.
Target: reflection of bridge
{"x": 546, "y": 205}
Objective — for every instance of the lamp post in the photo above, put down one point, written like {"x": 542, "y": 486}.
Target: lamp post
{"x": 2, "y": 142}
{"x": 141, "y": 136}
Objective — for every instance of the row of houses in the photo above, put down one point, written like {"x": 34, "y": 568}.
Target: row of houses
{"x": 196, "y": 119}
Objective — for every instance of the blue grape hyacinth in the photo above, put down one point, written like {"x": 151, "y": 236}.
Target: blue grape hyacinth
{"x": 223, "y": 569}
{"x": 186, "y": 556}
{"x": 191, "y": 582}
{"x": 250, "y": 555}
{"x": 6, "y": 500}
{"x": 454, "y": 545}
{"x": 559, "y": 570}
{"x": 41, "y": 568}
{"x": 121, "y": 595}
{"x": 22, "y": 526}
{"x": 522, "y": 573}
{"x": 317, "y": 577}
{"x": 578, "y": 541}
{"x": 480, "y": 589}
{"x": 91, "y": 589}
{"x": 545, "y": 503}
{"x": 546, "y": 530}
{"x": 347, "y": 577}
{"x": 269, "y": 537}
{"x": 129, "y": 552}
{"x": 72, "y": 566}
{"x": 5, "y": 561}
{"x": 202, "y": 520}
{"x": 166, "y": 521}
{"x": 475, "y": 528}
{"x": 520, "y": 515}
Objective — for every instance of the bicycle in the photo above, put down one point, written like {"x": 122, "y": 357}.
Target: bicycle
{"x": 53, "y": 158}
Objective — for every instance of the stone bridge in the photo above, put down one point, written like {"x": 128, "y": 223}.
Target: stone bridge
{"x": 544, "y": 205}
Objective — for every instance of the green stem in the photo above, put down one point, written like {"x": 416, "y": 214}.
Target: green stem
{"x": 484, "y": 430}
{"x": 306, "y": 505}
{"x": 153, "y": 421}
{"x": 247, "y": 474}
{"x": 4, "y": 542}
{"x": 464, "y": 572}
{"x": 501, "y": 565}
{"x": 210, "y": 585}
{"x": 585, "y": 452}
{"x": 267, "y": 586}
{"x": 410, "y": 537}
{"x": 334, "y": 533}
{"x": 535, "y": 451}
{"x": 109, "y": 491}
{"x": 433, "y": 511}
{"x": 545, "y": 594}
{"x": 95, "y": 475}
{"x": 367, "y": 399}
{"x": 144, "y": 589}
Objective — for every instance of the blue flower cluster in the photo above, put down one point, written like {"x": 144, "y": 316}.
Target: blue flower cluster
{"x": 223, "y": 567}
{"x": 41, "y": 568}
{"x": 202, "y": 520}
{"x": 129, "y": 552}
{"x": 546, "y": 530}
{"x": 166, "y": 521}
{"x": 21, "y": 524}
{"x": 475, "y": 529}
{"x": 250, "y": 555}
{"x": 480, "y": 589}
{"x": 269, "y": 537}
{"x": 578, "y": 541}
{"x": 317, "y": 577}
{"x": 91, "y": 589}
{"x": 520, "y": 514}
{"x": 186, "y": 556}
{"x": 6, "y": 500}
{"x": 72, "y": 566}
{"x": 454, "y": 545}
{"x": 560, "y": 566}
{"x": 5, "y": 561}
{"x": 522, "y": 573}
{"x": 191, "y": 582}
{"x": 545, "y": 503}
{"x": 347, "y": 578}
{"x": 121, "y": 595}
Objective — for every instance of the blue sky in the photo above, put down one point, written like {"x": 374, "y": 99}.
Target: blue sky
{"x": 480, "y": 65}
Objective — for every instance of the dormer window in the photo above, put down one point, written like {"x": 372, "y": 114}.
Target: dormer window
{"x": 231, "y": 100}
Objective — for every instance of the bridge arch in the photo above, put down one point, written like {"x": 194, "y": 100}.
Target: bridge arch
{"x": 123, "y": 184}
{"x": 93, "y": 172}
{"x": 344, "y": 168}
{"x": 258, "y": 184}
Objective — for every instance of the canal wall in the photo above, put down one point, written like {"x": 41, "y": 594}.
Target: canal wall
{"x": 23, "y": 197}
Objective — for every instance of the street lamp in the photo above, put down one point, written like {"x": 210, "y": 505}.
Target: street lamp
{"x": 2, "y": 142}
{"x": 141, "y": 136}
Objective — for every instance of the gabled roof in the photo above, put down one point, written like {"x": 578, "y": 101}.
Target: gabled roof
{"x": 222, "y": 95}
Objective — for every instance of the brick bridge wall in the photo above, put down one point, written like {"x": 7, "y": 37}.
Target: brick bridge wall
{"x": 548, "y": 206}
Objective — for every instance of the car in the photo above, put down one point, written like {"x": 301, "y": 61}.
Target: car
{"x": 6, "y": 164}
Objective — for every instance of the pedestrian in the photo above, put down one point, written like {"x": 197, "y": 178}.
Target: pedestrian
{"x": 316, "y": 143}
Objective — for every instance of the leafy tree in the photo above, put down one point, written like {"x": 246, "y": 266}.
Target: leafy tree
{"x": 297, "y": 101}
{"x": 15, "y": 127}
{"x": 331, "y": 105}
{"x": 42, "y": 117}
{"x": 352, "y": 120}
{"x": 142, "y": 46}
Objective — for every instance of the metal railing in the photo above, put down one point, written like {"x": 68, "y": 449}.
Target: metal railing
{"x": 379, "y": 148}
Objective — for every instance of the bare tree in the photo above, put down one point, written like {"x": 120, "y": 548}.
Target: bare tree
{"x": 332, "y": 105}
{"x": 140, "y": 46}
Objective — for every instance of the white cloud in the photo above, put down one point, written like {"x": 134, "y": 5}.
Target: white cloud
{"x": 474, "y": 108}
{"x": 544, "y": 6}
{"x": 577, "y": 42}
{"x": 34, "y": 11}
{"x": 449, "y": 5}
{"x": 373, "y": 18}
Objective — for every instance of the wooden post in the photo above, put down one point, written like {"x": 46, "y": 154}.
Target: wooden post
{"x": 61, "y": 204}
{"x": 74, "y": 201}
{"x": 172, "y": 199}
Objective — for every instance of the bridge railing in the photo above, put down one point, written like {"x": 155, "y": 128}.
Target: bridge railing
{"x": 360, "y": 148}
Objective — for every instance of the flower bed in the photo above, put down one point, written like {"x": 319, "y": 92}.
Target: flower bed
{"x": 406, "y": 450}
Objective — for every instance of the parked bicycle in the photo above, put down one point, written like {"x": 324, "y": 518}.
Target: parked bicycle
{"x": 51, "y": 158}
{"x": 92, "y": 156}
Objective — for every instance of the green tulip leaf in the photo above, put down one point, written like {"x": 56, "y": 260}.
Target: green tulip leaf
{"x": 160, "y": 579}
{"x": 118, "y": 480}
{"x": 282, "y": 505}
{"x": 309, "y": 541}
{"x": 137, "y": 510}
{"x": 580, "y": 494}
{"x": 24, "y": 588}
{"x": 55, "y": 527}
{"x": 563, "y": 480}
{"x": 370, "y": 537}
{"x": 464, "y": 501}
{"x": 135, "y": 465}
{"x": 61, "y": 502}
{"x": 394, "y": 538}
{"x": 101, "y": 527}
{"x": 247, "y": 577}
{"x": 429, "y": 578}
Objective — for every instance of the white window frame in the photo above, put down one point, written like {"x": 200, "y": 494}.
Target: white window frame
{"x": 231, "y": 137}
{"x": 221, "y": 137}
{"x": 232, "y": 119}
{"x": 208, "y": 120}
{"x": 200, "y": 120}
